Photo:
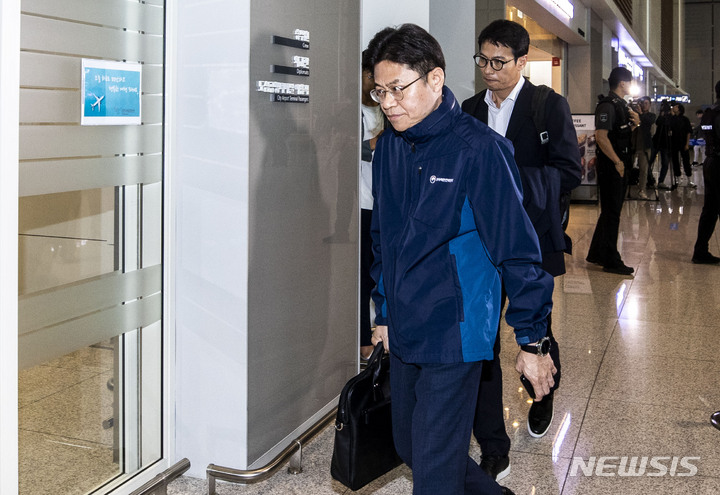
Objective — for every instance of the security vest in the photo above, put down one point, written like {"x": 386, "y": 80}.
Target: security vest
{"x": 621, "y": 133}
{"x": 712, "y": 140}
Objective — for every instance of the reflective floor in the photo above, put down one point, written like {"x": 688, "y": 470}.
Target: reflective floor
{"x": 641, "y": 365}
{"x": 65, "y": 441}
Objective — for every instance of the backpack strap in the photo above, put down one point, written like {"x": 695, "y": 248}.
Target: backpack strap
{"x": 539, "y": 99}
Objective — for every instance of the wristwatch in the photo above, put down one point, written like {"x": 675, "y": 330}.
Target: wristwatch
{"x": 541, "y": 348}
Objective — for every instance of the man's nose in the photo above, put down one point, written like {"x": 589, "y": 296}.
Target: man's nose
{"x": 389, "y": 101}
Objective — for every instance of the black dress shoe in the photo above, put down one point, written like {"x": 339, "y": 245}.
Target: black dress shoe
{"x": 540, "y": 416}
{"x": 594, "y": 260}
{"x": 497, "y": 466}
{"x": 619, "y": 268}
{"x": 506, "y": 491}
{"x": 705, "y": 259}
{"x": 715, "y": 419}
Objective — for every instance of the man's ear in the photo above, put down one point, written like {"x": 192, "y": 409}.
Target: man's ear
{"x": 521, "y": 62}
{"x": 436, "y": 78}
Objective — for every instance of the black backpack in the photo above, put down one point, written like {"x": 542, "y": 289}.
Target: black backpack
{"x": 537, "y": 111}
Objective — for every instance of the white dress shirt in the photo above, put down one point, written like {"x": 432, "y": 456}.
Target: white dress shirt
{"x": 499, "y": 118}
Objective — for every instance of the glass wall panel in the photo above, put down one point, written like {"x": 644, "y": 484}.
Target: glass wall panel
{"x": 90, "y": 251}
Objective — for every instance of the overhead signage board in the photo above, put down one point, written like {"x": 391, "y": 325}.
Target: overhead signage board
{"x": 110, "y": 93}
{"x": 678, "y": 98}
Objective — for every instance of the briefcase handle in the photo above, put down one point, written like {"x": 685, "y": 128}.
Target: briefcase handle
{"x": 375, "y": 369}
{"x": 375, "y": 363}
{"x": 376, "y": 355}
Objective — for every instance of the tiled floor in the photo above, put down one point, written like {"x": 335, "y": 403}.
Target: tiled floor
{"x": 63, "y": 446}
{"x": 641, "y": 364}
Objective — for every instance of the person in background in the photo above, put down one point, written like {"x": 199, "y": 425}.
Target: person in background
{"x": 643, "y": 143}
{"x": 699, "y": 146}
{"x": 614, "y": 123}
{"x": 661, "y": 142}
{"x": 711, "y": 176}
{"x": 372, "y": 125}
{"x": 680, "y": 131}
{"x": 448, "y": 225}
{"x": 549, "y": 171}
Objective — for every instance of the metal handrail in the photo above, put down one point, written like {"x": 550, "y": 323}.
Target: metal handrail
{"x": 215, "y": 472}
{"x": 162, "y": 479}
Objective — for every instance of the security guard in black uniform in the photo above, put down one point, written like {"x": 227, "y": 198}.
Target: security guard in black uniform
{"x": 614, "y": 123}
{"x": 710, "y": 123}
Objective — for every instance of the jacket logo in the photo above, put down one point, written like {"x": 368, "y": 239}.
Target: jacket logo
{"x": 603, "y": 117}
{"x": 434, "y": 179}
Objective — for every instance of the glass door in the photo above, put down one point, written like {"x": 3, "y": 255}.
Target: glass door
{"x": 90, "y": 332}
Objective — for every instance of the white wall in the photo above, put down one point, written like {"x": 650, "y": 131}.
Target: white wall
{"x": 539, "y": 72}
{"x": 210, "y": 185}
{"x": 452, "y": 23}
{"x": 9, "y": 117}
{"x": 379, "y": 14}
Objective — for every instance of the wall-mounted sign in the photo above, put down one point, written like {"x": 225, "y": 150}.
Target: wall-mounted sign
{"x": 301, "y": 67}
{"x": 285, "y": 92}
{"x": 301, "y": 40}
{"x": 293, "y": 71}
{"x": 678, "y": 98}
{"x": 282, "y": 92}
{"x": 289, "y": 98}
{"x": 110, "y": 93}
{"x": 585, "y": 128}
{"x": 630, "y": 64}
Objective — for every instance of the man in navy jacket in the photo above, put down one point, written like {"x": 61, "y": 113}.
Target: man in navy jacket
{"x": 549, "y": 168}
{"x": 448, "y": 225}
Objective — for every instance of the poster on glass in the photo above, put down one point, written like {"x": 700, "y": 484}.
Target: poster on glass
{"x": 110, "y": 93}
{"x": 585, "y": 129}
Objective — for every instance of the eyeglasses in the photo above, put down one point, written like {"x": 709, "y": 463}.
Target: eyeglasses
{"x": 397, "y": 92}
{"x": 495, "y": 63}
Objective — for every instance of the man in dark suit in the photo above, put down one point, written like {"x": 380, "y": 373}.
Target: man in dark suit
{"x": 549, "y": 167}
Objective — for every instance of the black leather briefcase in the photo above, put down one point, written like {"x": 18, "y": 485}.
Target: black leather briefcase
{"x": 364, "y": 448}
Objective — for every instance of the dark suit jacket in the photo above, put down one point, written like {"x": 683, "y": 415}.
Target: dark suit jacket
{"x": 547, "y": 171}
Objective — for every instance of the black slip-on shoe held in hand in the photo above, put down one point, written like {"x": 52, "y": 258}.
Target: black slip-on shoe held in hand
{"x": 540, "y": 416}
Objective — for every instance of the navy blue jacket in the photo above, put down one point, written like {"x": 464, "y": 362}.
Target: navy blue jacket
{"x": 544, "y": 187}
{"x": 448, "y": 224}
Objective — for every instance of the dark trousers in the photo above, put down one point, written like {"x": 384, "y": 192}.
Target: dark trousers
{"x": 366, "y": 281}
{"x": 432, "y": 415}
{"x": 489, "y": 424}
{"x": 664, "y": 161}
{"x": 603, "y": 246}
{"x": 679, "y": 152}
{"x": 711, "y": 206}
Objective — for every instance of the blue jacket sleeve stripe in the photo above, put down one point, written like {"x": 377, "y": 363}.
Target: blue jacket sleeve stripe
{"x": 476, "y": 275}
